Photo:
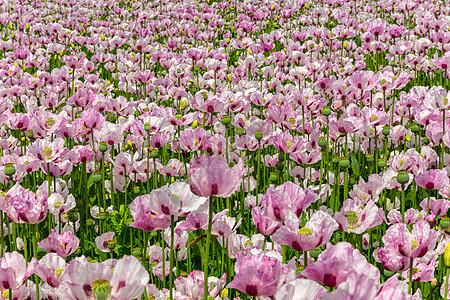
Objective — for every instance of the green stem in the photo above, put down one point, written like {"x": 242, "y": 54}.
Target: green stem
{"x": 446, "y": 283}
{"x": 206, "y": 257}
{"x": 410, "y": 275}
{"x": 172, "y": 233}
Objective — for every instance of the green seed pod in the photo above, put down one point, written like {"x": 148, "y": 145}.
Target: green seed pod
{"x": 9, "y": 170}
{"x": 136, "y": 251}
{"x": 322, "y": 142}
{"x": 326, "y": 111}
{"x": 402, "y": 177}
{"x": 415, "y": 128}
{"x": 101, "y": 289}
{"x": 103, "y": 147}
{"x": 226, "y": 120}
{"x": 273, "y": 177}
{"x": 128, "y": 221}
{"x": 97, "y": 177}
{"x": 280, "y": 166}
{"x": 136, "y": 190}
{"x": 73, "y": 216}
{"x": 344, "y": 162}
{"x": 370, "y": 158}
{"x": 240, "y": 131}
{"x": 102, "y": 215}
{"x": 154, "y": 153}
{"x": 386, "y": 130}
{"x": 111, "y": 244}
{"x": 381, "y": 162}
{"x": 258, "y": 135}
{"x": 30, "y": 134}
{"x": 433, "y": 283}
{"x": 351, "y": 180}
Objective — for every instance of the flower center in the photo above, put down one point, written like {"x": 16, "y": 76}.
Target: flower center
{"x": 58, "y": 272}
{"x": 47, "y": 153}
{"x": 373, "y": 118}
{"x": 101, "y": 289}
{"x": 352, "y": 219}
{"x": 304, "y": 231}
{"x": 415, "y": 270}
{"x": 414, "y": 245}
{"x": 50, "y": 122}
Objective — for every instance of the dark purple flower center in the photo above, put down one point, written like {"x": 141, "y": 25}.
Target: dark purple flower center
{"x": 251, "y": 290}
{"x": 329, "y": 280}
{"x": 214, "y": 189}
{"x": 429, "y": 185}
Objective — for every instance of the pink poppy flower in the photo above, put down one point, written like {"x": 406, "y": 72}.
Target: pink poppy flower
{"x": 256, "y": 275}
{"x": 47, "y": 151}
{"x": 25, "y": 206}
{"x": 438, "y": 206}
{"x": 144, "y": 218}
{"x": 211, "y": 176}
{"x": 49, "y": 269}
{"x": 357, "y": 286}
{"x": 433, "y": 179}
{"x": 64, "y": 244}
{"x": 265, "y": 225}
{"x": 287, "y": 197}
{"x": 14, "y": 270}
{"x": 417, "y": 243}
{"x": 437, "y": 98}
{"x": 92, "y": 119}
{"x": 104, "y": 241}
{"x": 175, "y": 199}
{"x": 356, "y": 218}
{"x": 59, "y": 204}
{"x": 337, "y": 263}
{"x": 112, "y": 279}
{"x": 316, "y": 232}
{"x": 191, "y": 287}
{"x": 301, "y": 289}
{"x": 391, "y": 261}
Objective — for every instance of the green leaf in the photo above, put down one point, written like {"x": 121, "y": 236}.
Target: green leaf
{"x": 355, "y": 165}
{"x": 90, "y": 182}
{"x": 426, "y": 290}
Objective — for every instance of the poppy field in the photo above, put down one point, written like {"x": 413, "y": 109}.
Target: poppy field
{"x": 286, "y": 150}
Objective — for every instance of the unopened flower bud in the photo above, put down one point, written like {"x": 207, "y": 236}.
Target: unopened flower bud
{"x": 447, "y": 256}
